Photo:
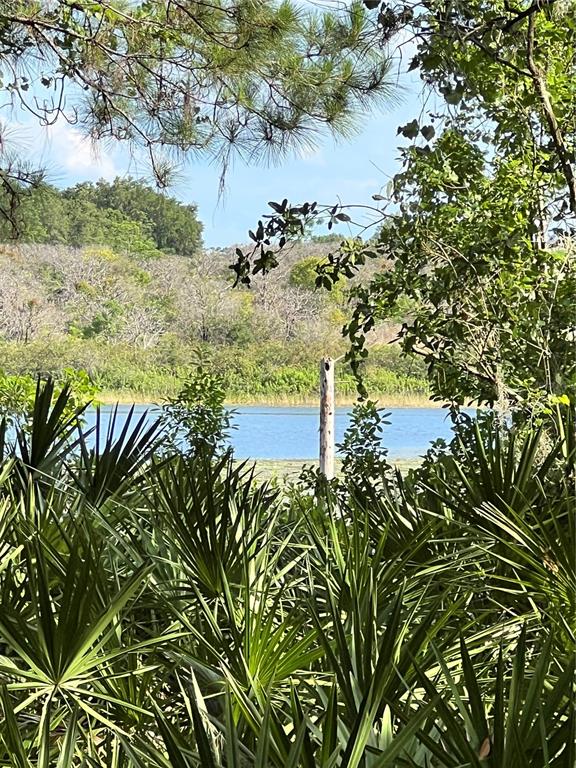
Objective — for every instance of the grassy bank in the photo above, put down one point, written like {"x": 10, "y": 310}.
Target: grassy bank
{"x": 263, "y": 374}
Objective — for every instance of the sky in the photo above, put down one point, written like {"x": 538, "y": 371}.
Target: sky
{"x": 343, "y": 171}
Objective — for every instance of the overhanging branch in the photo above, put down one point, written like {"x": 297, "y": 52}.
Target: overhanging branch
{"x": 539, "y": 80}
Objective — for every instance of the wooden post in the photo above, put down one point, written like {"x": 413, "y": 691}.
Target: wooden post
{"x": 327, "y": 417}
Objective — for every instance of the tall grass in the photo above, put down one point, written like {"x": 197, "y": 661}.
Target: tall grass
{"x": 270, "y": 373}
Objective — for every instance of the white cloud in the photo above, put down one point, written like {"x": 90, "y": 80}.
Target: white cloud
{"x": 68, "y": 149}
{"x": 60, "y": 148}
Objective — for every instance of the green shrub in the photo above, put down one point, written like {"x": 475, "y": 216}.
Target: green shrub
{"x": 18, "y": 395}
{"x": 196, "y": 417}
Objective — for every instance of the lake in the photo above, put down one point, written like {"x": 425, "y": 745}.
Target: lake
{"x": 267, "y": 432}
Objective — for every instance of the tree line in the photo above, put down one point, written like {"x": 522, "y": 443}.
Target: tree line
{"x": 127, "y": 215}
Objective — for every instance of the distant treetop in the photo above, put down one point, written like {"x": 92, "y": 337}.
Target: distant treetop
{"x": 174, "y": 226}
{"x": 126, "y": 215}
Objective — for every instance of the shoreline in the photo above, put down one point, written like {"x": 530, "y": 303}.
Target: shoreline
{"x": 290, "y": 469}
{"x": 124, "y": 397}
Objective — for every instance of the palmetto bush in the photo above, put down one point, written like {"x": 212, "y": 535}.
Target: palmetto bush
{"x": 166, "y": 610}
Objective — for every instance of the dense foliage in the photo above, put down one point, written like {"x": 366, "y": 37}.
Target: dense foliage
{"x": 18, "y": 396}
{"x": 478, "y": 222}
{"x": 173, "y": 226}
{"x": 160, "y": 605}
{"x": 271, "y": 372}
{"x": 167, "y": 610}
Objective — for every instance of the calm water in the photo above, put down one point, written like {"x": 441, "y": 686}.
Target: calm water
{"x": 292, "y": 433}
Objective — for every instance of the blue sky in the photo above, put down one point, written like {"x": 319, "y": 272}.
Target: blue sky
{"x": 347, "y": 171}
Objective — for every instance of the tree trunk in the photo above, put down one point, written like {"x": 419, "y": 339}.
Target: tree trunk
{"x": 327, "y": 417}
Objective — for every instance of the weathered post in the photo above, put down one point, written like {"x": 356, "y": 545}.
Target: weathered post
{"x": 327, "y": 417}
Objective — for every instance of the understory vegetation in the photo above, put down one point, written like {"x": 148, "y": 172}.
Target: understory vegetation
{"x": 165, "y": 608}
